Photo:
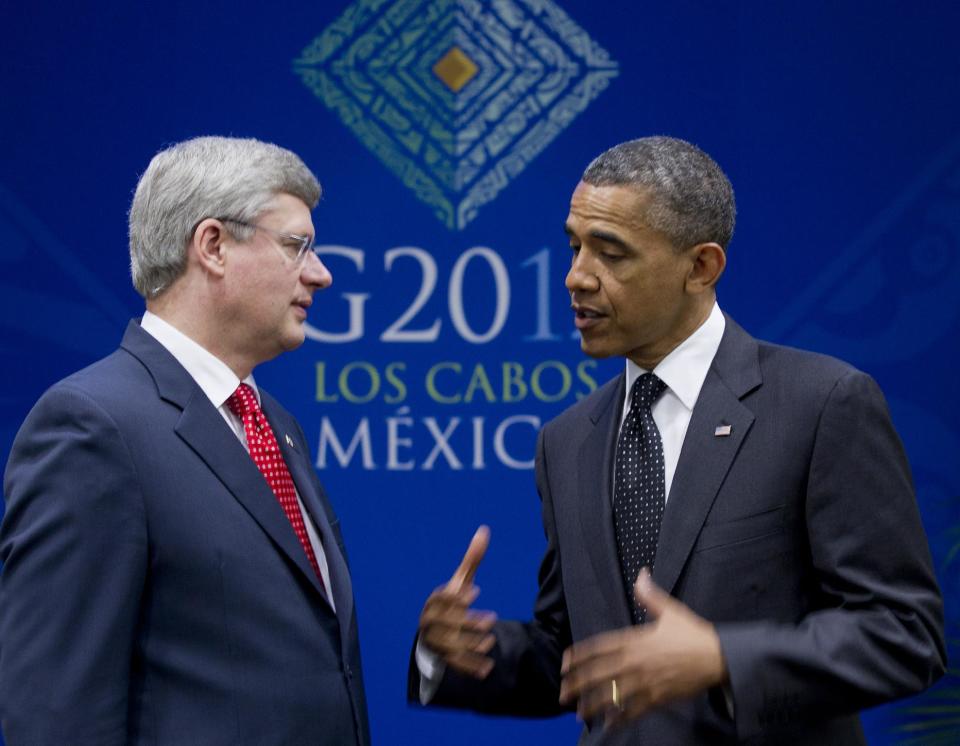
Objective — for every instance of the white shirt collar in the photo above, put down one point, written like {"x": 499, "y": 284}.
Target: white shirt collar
{"x": 212, "y": 375}
{"x": 685, "y": 368}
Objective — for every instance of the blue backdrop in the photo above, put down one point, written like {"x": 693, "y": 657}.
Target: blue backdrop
{"x": 448, "y": 137}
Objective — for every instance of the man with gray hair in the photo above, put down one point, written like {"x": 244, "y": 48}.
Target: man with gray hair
{"x": 734, "y": 552}
{"x": 173, "y": 572}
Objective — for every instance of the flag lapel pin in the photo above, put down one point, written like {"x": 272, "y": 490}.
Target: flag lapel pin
{"x": 722, "y": 431}
{"x": 289, "y": 441}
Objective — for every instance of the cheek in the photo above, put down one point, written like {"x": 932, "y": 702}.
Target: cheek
{"x": 625, "y": 298}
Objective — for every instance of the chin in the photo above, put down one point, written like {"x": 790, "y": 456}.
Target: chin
{"x": 293, "y": 339}
{"x": 596, "y": 350}
{"x": 290, "y": 344}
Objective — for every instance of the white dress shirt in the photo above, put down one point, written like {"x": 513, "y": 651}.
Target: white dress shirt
{"x": 684, "y": 371}
{"x": 218, "y": 382}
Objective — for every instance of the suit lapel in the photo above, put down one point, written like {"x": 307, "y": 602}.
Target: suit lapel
{"x": 595, "y": 474}
{"x": 318, "y": 507}
{"x": 202, "y": 427}
{"x": 707, "y": 454}
{"x": 204, "y": 430}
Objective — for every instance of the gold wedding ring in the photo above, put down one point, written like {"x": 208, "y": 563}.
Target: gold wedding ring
{"x": 615, "y": 695}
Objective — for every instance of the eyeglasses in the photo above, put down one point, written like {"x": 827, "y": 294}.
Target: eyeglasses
{"x": 293, "y": 245}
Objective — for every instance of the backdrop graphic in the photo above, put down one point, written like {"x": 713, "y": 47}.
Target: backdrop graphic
{"x": 448, "y": 137}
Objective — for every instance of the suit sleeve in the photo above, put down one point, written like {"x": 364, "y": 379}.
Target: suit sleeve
{"x": 525, "y": 680}
{"x": 876, "y": 628}
{"x": 73, "y": 545}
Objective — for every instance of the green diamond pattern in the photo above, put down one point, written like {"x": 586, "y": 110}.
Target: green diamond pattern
{"x": 536, "y": 71}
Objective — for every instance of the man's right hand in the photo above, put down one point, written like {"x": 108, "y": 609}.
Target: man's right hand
{"x": 460, "y": 635}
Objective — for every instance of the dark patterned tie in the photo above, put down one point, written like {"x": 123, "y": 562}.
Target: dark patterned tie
{"x": 638, "y": 496}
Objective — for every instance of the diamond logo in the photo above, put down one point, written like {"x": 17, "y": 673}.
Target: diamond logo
{"x": 455, "y": 69}
{"x": 456, "y": 97}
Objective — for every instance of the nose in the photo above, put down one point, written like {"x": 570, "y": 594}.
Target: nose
{"x": 580, "y": 278}
{"x": 314, "y": 272}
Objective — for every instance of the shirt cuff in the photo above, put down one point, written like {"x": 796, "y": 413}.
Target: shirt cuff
{"x": 727, "y": 699}
{"x": 431, "y": 668}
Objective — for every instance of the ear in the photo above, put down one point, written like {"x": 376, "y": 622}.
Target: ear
{"x": 207, "y": 246}
{"x": 709, "y": 260}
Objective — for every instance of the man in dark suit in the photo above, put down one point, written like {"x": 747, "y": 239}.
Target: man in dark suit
{"x": 764, "y": 486}
{"x": 173, "y": 572}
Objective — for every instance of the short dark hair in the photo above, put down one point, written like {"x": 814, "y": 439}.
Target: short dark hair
{"x": 691, "y": 198}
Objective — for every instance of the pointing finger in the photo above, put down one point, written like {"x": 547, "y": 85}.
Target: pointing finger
{"x": 471, "y": 560}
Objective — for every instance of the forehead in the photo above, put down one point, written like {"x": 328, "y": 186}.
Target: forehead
{"x": 620, "y": 207}
{"x": 286, "y": 209}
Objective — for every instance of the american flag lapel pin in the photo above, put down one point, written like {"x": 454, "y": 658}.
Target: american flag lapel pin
{"x": 289, "y": 441}
{"x": 722, "y": 431}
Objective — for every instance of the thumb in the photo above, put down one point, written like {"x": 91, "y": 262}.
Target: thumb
{"x": 650, "y": 596}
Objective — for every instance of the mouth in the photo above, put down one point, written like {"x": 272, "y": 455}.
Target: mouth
{"x": 585, "y": 317}
{"x": 301, "y": 306}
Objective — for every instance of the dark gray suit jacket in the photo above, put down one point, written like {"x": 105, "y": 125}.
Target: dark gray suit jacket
{"x": 153, "y": 591}
{"x": 797, "y": 535}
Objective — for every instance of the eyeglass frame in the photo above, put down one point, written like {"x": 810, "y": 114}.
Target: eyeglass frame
{"x": 307, "y": 243}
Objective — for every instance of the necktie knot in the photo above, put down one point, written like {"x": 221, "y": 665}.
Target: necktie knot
{"x": 243, "y": 401}
{"x": 646, "y": 390}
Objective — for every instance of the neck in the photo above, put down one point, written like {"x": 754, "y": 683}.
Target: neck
{"x": 200, "y": 325}
{"x": 650, "y": 358}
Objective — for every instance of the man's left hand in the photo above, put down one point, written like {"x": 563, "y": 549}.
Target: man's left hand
{"x": 625, "y": 673}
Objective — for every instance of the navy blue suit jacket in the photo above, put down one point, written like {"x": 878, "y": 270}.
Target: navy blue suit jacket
{"x": 797, "y": 535}
{"x": 153, "y": 591}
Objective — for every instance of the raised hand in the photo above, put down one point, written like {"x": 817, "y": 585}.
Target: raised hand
{"x": 625, "y": 673}
{"x": 449, "y": 627}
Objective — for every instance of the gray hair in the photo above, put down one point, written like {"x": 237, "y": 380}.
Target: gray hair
{"x": 691, "y": 198}
{"x": 206, "y": 177}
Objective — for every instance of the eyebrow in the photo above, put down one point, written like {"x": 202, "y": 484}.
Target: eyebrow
{"x": 611, "y": 238}
{"x": 605, "y": 236}
{"x": 299, "y": 235}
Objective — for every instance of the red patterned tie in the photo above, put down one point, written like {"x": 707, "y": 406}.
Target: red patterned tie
{"x": 266, "y": 455}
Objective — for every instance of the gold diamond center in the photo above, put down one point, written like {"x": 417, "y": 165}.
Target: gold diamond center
{"x": 455, "y": 69}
